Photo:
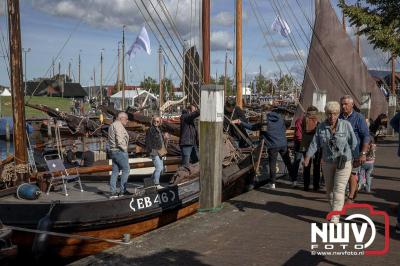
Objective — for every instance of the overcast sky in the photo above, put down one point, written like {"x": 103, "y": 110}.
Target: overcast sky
{"x": 88, "y": 26}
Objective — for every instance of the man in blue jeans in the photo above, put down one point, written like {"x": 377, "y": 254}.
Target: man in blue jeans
{"x": 189, "y": 138}
{"x": 118, "y": 140}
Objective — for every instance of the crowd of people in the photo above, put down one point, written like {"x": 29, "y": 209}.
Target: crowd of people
{"x": 339, "y": 145}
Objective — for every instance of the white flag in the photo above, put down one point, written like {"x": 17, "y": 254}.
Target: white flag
{"x": 280, "y": 25}
{"x": 142, "y": 42}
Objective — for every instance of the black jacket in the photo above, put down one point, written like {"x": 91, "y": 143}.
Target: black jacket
{"x": 189, "y": 135}
{"x": 275, "y": 135}
{"x": 237, "y": 113}
{"x": 154, "y": 140}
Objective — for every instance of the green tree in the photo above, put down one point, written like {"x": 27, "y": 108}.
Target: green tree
{"x": 229, "y": 81}
{"x": 286, "y": 83}
{"x": 378, "y": 20}
{"x": 264, "y": 86}
{"x": 150, "y": 84}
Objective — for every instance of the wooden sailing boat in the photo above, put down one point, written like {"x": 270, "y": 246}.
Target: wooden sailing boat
{"x": 81, "y": 222}
{"x": 334, "y": 68}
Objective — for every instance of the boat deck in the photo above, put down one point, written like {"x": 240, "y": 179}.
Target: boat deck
{"x": 92, "y": 191}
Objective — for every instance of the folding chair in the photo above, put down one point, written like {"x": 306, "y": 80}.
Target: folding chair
{"x": 58, "y": 172}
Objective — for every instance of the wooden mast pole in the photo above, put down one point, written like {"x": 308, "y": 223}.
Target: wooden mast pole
{"x": 119, "y": 64}
{"x": 160, "y": 77}
{"x": 101, "y": 77}
{"x": 226, "y": 69}
{"x": 14, "y": 29}
{"x": 123, "y": 67}
{"x": 205, "y": 25}
{"x": 239, "y": 101}
{"x": 79, "y": 67}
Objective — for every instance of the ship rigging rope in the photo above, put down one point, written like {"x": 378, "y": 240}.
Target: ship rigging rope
{"x": 179, "y": 37}
{"x": 308, "y": 43}
{"x": 158, "y": 40}
{"x": 89, "y": 3}
{"x": 324, "y": 49}
{"x": 170, "y": 20}
{"x": 10, "y": 171}
{"x": 268, "y": 33}
{"x": 173, "y": 26}
{"x": 91, "y": 238}
{"x": 294, "y": 47}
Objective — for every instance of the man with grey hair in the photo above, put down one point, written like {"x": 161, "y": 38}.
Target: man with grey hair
{"x": 361, "y": 131}
{"x": 118, "y": 140}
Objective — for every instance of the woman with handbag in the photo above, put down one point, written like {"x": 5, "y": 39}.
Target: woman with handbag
{"x": 336, "y": 138}
{"x": 156, "y": 148}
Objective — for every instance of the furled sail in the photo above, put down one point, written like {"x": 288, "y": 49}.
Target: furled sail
{"x": 334, "y": 66}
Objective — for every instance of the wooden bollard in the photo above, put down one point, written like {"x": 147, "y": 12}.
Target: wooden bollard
{"x": 211, "y": 145}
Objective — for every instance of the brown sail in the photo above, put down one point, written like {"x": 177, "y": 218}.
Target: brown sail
{"x": 334, "y": 66}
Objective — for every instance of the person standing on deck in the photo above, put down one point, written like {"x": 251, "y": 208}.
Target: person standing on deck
{"x": 155, "y": 146}
{"x": 189, "y": 138}
{"x": 233, "y": 112}
{"x": 305, "y": 127}
{"x": 118, "y": 140}
{"x": 361, "y": 131}
{"x": 276, "y": 142}
{"x": 395, "y": 124}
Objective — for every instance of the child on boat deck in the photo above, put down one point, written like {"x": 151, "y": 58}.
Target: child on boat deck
{"x": 364, "y": 175}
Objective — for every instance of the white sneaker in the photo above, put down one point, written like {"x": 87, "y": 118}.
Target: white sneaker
{"x": 159, "y": 187}
{"x": 294, "y": 184}
{"x": 271, "y": 186}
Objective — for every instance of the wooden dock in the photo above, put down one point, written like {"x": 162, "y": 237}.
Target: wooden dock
{"x": 262, "y": 227}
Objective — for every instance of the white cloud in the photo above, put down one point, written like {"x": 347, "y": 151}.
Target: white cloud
{"x": 279, "y": 43}
{"x": 2, "y": 9}
{"x": 115, "y": 13}
{"x": 218, "y": 61}
{"x": 221, "y": 40}
{"x": 224, "y": 18}
{"x": 297, "y": 72}
{"x": 289, "y": 56}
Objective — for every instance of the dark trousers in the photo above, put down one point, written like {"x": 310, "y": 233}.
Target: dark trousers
{"x": 316, "y": 172}
{"x": 272, "y": 157}
{"x": 307, "y": 170}
{"x": 189, "y": 152}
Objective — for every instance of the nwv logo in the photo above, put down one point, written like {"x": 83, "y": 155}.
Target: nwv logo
{"x": 330, "y": 236}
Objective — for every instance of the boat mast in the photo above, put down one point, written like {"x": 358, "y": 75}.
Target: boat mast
{"x": 205, "y": 26}
{"x": 119, "y": 64}
{"x": 160, "y": 78}
{"x": 226, "y": 66}
{"x": 79, "y": 67}
{"x": 101, "y": 77}
{"x": 14, "y": 29}
{"x": 239, "y": 101}
{"x": 123, "y": 67}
